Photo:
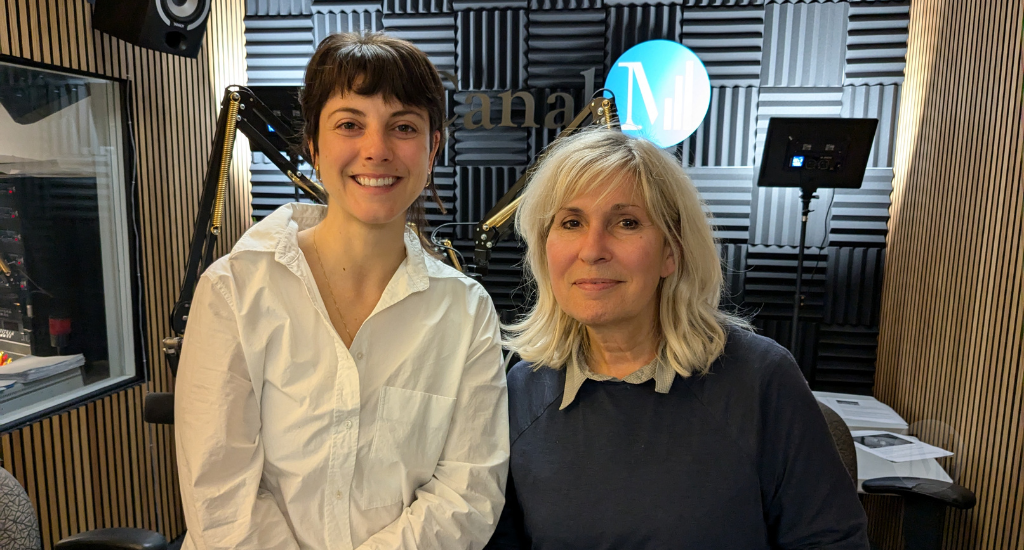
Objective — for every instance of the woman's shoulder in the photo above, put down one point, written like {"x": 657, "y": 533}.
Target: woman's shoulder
{"x": 236, "y": 267}
{"x": 749, "y": 348}
{"x": 531, "y": 392}
{"x": 458, "y": 288}
{"x": 527, "y": 377}
{"x": 450, "y": 277}
{"x": 272, "y": 240}
{"x": 753, "y": 361}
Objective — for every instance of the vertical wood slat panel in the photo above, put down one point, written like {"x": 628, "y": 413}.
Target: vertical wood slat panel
{"x": 951, "y": 344}
{"x": 100, "y": 465}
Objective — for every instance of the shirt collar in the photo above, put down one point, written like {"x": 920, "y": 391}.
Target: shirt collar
{"x": 660, "y": 371}
{"x": 278, "y": 233}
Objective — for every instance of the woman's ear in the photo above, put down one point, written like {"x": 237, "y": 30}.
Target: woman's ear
{"x": 436, "y": 139}
{"x": 668, "y": 264}
{"x": 311, "y": 147}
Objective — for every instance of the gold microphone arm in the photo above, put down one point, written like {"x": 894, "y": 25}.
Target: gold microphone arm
{"x": 497, "y": 223}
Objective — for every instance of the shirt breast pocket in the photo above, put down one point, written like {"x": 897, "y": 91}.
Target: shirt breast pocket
{"x": 408, "y": 439}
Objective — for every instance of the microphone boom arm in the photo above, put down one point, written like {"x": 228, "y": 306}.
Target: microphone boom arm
{"x": 241, "y": 111}
{"x": 496, "y": 224}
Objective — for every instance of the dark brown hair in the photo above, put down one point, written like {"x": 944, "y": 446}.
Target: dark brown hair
{"x": 373, "y": 64}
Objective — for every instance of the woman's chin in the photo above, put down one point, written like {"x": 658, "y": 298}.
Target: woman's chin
{"x": 379, "y": 218}
{"x": 596, "y": 318}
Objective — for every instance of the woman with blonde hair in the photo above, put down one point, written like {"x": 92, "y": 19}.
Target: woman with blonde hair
{"x": 643, "y": 416}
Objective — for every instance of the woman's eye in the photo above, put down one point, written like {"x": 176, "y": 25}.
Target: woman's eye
{"x": 571, "y": 224}
{"x": 406, "y": 128}
{"x": 347, "y": 126}
{"x": 629, "y": 223}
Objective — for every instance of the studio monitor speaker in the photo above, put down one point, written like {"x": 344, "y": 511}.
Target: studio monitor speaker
{"x": 170, "y": 26}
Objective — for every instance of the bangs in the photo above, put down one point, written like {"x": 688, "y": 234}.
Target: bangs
{"x": 371, "y": 69}
{"x": 373, "y": 64}
{"x": 568, "y": 178}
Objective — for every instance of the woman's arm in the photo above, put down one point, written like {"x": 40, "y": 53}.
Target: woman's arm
{"x": 217, "y": 429}
{"x": 511, "y": 533}
{"x": 810, "y": 500}
{"x": 460, "y": 505}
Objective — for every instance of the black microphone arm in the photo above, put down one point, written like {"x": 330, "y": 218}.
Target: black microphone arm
{"x": 240, "y": 111}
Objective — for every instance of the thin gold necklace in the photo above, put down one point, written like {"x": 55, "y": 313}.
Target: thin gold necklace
{"x": 330, "y": 289}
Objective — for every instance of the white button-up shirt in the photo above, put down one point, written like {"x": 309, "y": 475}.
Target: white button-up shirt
{"x": 287, "y": 439}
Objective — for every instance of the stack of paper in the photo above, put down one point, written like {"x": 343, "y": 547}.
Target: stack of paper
{"x": 863, "y": 412}
{"x": 31, "y": 367}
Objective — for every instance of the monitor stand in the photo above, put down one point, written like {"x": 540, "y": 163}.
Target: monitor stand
{"x": 806, "y": 194}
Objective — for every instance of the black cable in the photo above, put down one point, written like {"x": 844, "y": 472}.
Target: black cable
{"x": 147, "y": 375}
{"x": 437, "y": 243}
{"x": 828, "y": 227}
{"x": 462, "y": 259}
{"x": 433, "y": 234}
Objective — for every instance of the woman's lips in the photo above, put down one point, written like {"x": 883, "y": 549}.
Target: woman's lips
{"x": 595, "y": 284}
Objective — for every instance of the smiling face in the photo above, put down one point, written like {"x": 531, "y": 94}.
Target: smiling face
{"x": 374, "y": 156}
{"x": 605, "y": 258}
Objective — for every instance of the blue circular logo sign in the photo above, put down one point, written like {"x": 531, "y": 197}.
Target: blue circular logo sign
{"x": 662, "y": 91}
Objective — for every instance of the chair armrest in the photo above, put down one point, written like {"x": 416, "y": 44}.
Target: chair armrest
{"x": 943, "y": 492}
{"x": 120, "y": 538}
{"x": 158, "y": 408}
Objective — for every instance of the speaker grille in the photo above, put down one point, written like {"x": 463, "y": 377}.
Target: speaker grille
{"x": 182, "y": 10}
{"x": 189, "y": 13}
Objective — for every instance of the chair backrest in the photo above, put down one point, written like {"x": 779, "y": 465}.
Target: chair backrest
{"x": 158, "y": 408}
{"x": 843, "y": 440}
{"x": 19, "y": 526}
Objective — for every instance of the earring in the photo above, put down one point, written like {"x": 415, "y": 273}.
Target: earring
{"x": 316, "y": 171}
{"x": 430, "y": 179}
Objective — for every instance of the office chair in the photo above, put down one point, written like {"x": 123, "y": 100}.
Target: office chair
{"x": 158, "y": 409}
{"x": 19, "y": 528}
{"x": 924, "y": 500}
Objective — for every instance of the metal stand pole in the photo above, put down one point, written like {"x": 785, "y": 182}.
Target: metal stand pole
{"x": 806, "y": 194}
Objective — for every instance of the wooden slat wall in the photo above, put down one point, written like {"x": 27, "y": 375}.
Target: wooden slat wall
{"x": 100, "y": 465}
{"x": 950, "y": 348}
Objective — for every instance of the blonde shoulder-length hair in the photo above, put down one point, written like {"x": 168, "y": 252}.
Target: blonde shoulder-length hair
{"x": 692, "y": 328}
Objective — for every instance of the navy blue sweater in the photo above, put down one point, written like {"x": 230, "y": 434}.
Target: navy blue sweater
{"x": 738, "y": 459}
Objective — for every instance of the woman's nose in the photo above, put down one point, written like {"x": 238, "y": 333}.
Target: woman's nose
{"x": 375, "y": 146}
{"x": 594, "y": 247}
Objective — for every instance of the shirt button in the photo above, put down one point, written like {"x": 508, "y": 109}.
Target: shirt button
{"x": 359, "y": 355}
{"x": 337, "y": 494}
{"x": 348, "y": 424}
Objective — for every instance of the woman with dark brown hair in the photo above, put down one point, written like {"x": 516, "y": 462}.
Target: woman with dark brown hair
{"x": 340, "y": 387}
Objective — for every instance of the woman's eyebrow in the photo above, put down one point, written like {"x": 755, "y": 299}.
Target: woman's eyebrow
{"x": 351, "y": 110}
{"x": 407, "y": 112}
{"x": 624, "y": 206}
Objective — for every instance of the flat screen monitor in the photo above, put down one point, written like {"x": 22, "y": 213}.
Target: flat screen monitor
{"x": 813, "y": 153}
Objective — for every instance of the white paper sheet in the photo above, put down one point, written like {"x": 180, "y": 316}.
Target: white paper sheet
{"x": 895, "y": 447}
{"x": 860, "y": 408}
